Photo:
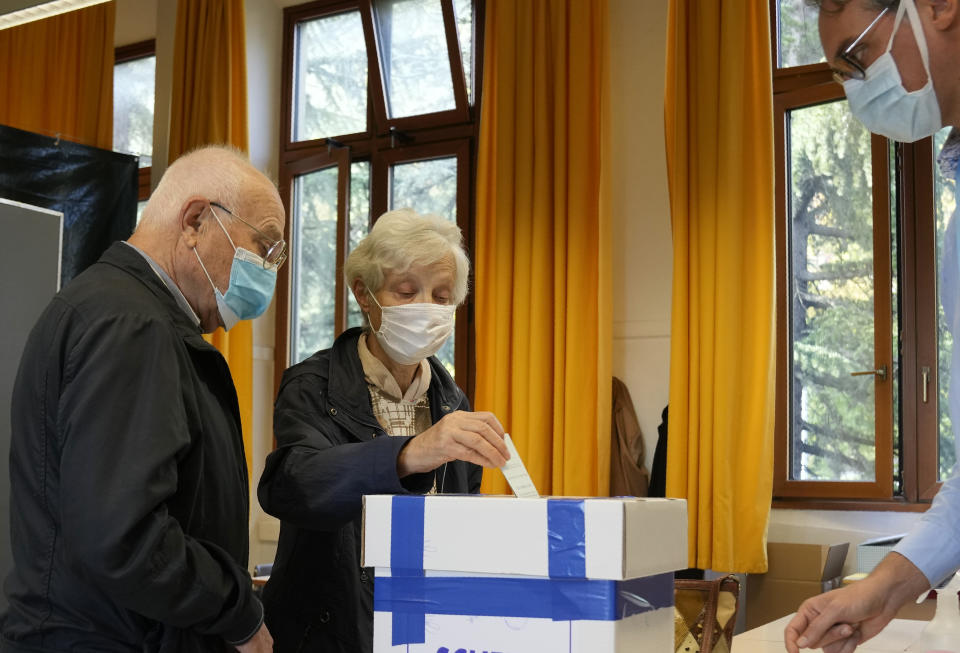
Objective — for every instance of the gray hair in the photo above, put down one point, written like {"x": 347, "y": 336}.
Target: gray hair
{"x": 402, "y": 238}
{"x": 216, "y": 172}
{"x": 874, "y": 4}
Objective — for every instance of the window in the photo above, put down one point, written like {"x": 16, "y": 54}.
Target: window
{"x": 134, "y": 84}
{"x": 863, "y": 347}
{"x": 379, "y": 112}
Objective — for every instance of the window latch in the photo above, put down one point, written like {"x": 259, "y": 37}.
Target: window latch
{"x": 880, "y": 373}
{"x": 925, "y": 376}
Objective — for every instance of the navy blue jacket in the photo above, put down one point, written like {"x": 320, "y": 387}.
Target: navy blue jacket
{"x": 330, "y": 452}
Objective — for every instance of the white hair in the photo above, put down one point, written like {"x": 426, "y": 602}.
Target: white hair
{"x": 402, "y": 238}
{"x": 215, "y": 172}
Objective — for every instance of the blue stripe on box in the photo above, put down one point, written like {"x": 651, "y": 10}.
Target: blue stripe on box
{"x": 537, "y": 598}
{"x": 566, "y": 538}
{"x": 406, "y": 562}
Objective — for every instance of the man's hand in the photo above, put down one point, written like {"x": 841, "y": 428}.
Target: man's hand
{"x": 840, "y": 620}
{"x": 473, "y": 437}
{"x": 262, "y": 642}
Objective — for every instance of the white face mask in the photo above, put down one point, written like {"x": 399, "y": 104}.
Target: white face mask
{"x": 881, "y": 102}
{"x": 411, "y": 332}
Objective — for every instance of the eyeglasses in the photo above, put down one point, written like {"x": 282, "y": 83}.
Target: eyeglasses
{"x": 856, "y": 69}
{"x": 276, "y": 252}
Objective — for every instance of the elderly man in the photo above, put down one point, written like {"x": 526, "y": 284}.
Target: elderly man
{"x": 897, "y": 62}
{"x": 129, "y": 494}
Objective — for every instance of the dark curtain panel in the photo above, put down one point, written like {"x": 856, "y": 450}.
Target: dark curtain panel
{"x": 95, "y": 189}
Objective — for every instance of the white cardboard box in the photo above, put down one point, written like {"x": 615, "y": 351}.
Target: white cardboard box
{"x": 507, "y": 575}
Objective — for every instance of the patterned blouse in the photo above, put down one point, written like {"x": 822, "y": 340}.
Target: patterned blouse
{"x": 399, "y": 413}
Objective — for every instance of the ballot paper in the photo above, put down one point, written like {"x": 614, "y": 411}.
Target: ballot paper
{"x": 517, "y": 476}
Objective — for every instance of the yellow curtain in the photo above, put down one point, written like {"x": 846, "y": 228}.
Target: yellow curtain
{"x": 542, "y": 241}
{"x": 719, "y": 136}
{"x": 209, "y": 106}
{"x": 56, "y": 76}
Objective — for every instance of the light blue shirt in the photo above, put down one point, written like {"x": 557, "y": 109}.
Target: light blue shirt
{"x": 169, "y": 283}
{"x": 934, "y": 544}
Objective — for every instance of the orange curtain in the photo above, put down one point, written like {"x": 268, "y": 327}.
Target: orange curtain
{"x": 719, "y": 137}
{"x": 543, "y": 315}
{"x": 56, "y": 76}
{"x": 209, "y": 106}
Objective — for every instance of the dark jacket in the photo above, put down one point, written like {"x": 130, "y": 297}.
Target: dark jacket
{"x": 330, "y": 452}
{"x": 129, "y": 503}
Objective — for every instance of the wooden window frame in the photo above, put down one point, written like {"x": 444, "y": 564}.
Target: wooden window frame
{"x": 385, "y": 143}
{"x": 123, "y": 54}
{"x": 809, "y": 85}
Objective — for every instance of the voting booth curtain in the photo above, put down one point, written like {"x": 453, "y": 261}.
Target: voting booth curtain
{"x": 543, "y": 290}
{"x": 209, "y": 106}
{"x": 56, "y": 76}
{"x": 719, "y": 137}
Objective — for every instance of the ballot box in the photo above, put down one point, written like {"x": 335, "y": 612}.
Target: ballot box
{"x": 491, "y": 574}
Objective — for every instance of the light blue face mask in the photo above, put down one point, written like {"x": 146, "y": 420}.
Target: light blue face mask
{"x": 881, "y": 102}
{"x": 251, "y": 285}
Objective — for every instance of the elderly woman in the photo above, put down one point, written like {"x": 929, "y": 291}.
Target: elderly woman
{"x": 374, "y": 414}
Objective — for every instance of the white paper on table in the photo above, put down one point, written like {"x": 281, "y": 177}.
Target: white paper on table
{"x": 517, "y": 476}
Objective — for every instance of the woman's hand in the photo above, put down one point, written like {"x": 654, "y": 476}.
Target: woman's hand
{"x": 474, "y": 437}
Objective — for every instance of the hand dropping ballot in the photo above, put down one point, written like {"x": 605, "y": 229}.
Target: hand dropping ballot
{"x": 516, "y": 473}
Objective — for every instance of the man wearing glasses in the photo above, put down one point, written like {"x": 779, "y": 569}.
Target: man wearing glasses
{"x": 129, "y": 497}
{"x": 897, "y": 61}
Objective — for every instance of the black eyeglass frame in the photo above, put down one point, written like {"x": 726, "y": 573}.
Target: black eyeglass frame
{"x": 857, "y": 71}
{"x": 277, "y": 252}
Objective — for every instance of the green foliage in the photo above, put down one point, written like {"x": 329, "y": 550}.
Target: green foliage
{"x": 133, "y": 95}
{"x": 799, "y": 37}
{"x": 833, "y": 311}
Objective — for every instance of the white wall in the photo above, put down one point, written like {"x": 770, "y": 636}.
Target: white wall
{"x": 264, "y": 43}
{"x": 642, "y": 254}
{"x": 136, "y": 20}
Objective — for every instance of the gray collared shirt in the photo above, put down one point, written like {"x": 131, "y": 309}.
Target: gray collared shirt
{"x": 169, "y": 283}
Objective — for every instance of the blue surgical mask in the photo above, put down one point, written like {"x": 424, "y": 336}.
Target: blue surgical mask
{"x": 251, "y": 285}
{"x": 881, "y": 102}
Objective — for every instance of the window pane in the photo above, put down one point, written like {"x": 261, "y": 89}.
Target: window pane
{"x": 463, "y": 9}
{"x": 141, "y": 205}
{"x": 428, "y": 187}
{"x": 314, "y": 265}
{"x": 359, "y": 226}
{"x": 799, "y": 36}
{"x": 948, "y": 309}
{"x": 133, "y": 93}
{"x": 330, "y": 82}
{"x": 832, "y": 319}
{"x": 413, "y": 51}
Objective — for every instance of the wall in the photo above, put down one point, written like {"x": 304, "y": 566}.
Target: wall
{"x": 642, "y": 257}
{"x": 136, "y": 20}
{"x": 264, "y": 44}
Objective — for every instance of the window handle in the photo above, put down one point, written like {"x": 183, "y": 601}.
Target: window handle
{"x": 925, "y": 376}
{"x": 880, "y": 373}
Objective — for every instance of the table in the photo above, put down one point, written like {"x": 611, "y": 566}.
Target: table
{"x": 897, "y": 636}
